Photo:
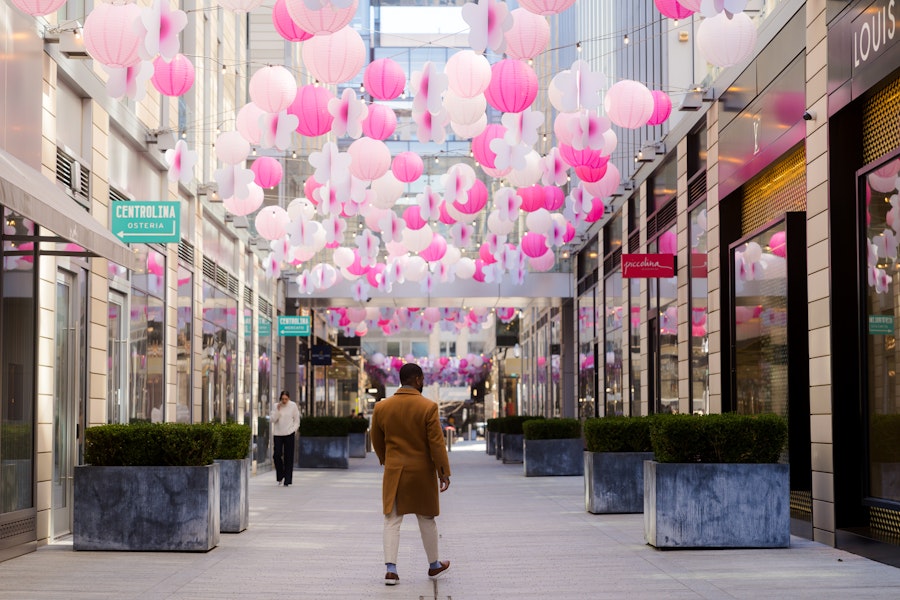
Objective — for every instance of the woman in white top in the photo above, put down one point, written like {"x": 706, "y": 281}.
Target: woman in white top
{"x": 285, "y": 421}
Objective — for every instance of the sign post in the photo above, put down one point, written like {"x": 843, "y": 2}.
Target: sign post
{"x": 146, "y": 222}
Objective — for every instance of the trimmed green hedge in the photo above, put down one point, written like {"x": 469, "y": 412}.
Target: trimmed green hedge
{"x": 235, "y": 441}
{"x": 358, "y": 424}
{"x": 152, "y": 444}
{"x": 618, "y": 434}
{"x": 492, "y": 425}
{"x": 513, "y": 425}
{"x": 885, "y": 438}
{"x": 324, "y": 426}
{"x": 725, "y": 438}
{"x": 552, "y": 429}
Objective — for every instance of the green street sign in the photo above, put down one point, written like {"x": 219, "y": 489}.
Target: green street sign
{"x": 881, "y": 325}
{"x": 146, "y": 222}
{"x": 294, "y": 326}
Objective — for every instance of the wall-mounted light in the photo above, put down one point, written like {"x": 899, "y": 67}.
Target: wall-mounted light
{"x": 210, "y": 191}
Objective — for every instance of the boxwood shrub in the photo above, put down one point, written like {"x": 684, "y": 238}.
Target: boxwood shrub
{"x": 885, "y": 436}
{"x": 358, "y": 424}
{"x": 235, "y": 441}
{"x": 618, "y": 434}
{"x": 724, "y": 438}
{"x": 513, "y": 425}
{"x": 551, "y": 429}
{"x": 324, "y": 426}
{"x": 492, "y": 425}
{"x": 152, "y": 444}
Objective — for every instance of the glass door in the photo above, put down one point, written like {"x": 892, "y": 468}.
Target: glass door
{"x": 117, "y": 382}
{"x": 68, "y": 401}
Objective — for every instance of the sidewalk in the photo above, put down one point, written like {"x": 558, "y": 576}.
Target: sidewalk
{"x": 508, "y": 537}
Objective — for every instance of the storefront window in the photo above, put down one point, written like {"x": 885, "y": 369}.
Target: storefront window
{"x": 634, "y": 340}
{"x": 586, "y": 389}
{"x": 184, "y": 349}
{"x": 667, "y": 330}
{"x": 760, "y": 323}
{"x": 698, "y": 308}
{"x": 146, "y": 368}
{"x": 883, "y": 309}
{"x": 219, "y": 368}
{"x": 613, "y": 345}
{"x": 17, "y": 417}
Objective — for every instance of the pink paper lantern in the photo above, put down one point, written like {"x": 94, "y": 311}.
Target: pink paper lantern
{"x": 672, "y": 9}
{"x": 273, "y": 88}
{"x": 546, "y": 7}
{"x": 310, "y": 106}
{"x": 529, "y": 35}
{"x": 309, "y": 188}
{"x": 563, "y": 127}
{"x": 468, "y": 73}
{"x": 241, "y": 207}
{"x": 38, "y": 8}
{"x": 543, "y": 263}
{"x": 477, "y": 199}
{"x": 285, "y": 25}
{"x": 172, "y": 78}
{"x": 407, "y": 167}
{"x": 413, "y": 217}
{"x": 606, "y": 185}
{"x": 662, "y": 108}
{"x": 629, "y": 104}
{"x": 110, "y": 34}
{"x": 323, "y": 21}
{"x": 533, "y": 244}
{"x": 384, "y": 79}
{"x": 513, "y": 86}
{"x": 271, "y": 222}
{"x": 554, "y": 197}
{"x": 485, "y": 255}
{"x": 532, "y": 197}
{"x": 724, "y": 42}
{"x": 436, "y": 249}
{"x": 247, "y": 122}
{"x": 370, "y": 159}
{"x": 446, "y": 217}
{"x": 668, "y": 243}
{"x": 596, "y": 212}
{"x": 579, "y": 158}
{"x": 591, "y": 174}
{"x": 380, "y": 123}
{"x": 778, "y": 244}
{"x": 481, "y": 144}
{"x": 268, "y": 171}
{"x": 334, "y": 58}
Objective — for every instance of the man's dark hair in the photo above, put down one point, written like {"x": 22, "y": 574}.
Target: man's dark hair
{"x": 409, "y": 373}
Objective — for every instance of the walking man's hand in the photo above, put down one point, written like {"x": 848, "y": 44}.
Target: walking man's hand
{"x": 445, "y": 483}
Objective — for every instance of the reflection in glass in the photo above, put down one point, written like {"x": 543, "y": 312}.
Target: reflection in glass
{"x": 760, "y": 323}
{"x": 613, "y": 355}
{"x": 218, "y": 369}
{"x": 634, "y": 340}
{"x": 587, "y": 393}
{"x": 882, "y": 307}
{"x": 667, "y": 310}
{"x": 146, "y": 358}
{"x": 263, "y": 391}
{"x": 698, "y": 308}
{"x": 184, "y": 348}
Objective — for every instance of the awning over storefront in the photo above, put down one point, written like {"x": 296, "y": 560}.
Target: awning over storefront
{"x": 25, "y": 191}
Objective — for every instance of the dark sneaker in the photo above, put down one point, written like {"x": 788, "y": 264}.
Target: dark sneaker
{"x": 391, "y": 578}
{"x": 445, "y": 564}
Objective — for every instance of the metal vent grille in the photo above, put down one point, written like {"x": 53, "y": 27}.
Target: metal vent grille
{"x": 880, "y": 113}
{"x": 885, "y": 522}
{"x": 117, "y": 196}
{"x": 587, "y": 283}
{"x": 265, "y": 308}
{"x": 613, "y": 262}
{"x": 186, "y": 252}
{"x": 801, "y": 505}
{"x": 17, "y": 528}
{"x": 233, "y": 285}
{"x": 209, "y": 269}
{"x": 780, "y": 188}
{"x": 662, "y": 219}
{"x": 248, "y": 297}
{"x": 697, "y": 187}
{"x": 75, "y": 177}
{"x": 221, "y": 277}
{"x": 634, "y": 242}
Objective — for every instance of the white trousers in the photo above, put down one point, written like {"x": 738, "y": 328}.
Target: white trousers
{"x": 427, "y": 528}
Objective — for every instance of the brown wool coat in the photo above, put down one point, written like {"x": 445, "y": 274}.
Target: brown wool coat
{"x": 407, "y": 437}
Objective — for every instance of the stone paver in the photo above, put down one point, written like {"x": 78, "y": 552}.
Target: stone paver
{"x": 508, "y": 537}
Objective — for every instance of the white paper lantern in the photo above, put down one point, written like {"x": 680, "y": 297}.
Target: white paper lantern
{"x": 334, "y": 58}
{"x": 469, "y": 73}
{"x": 465, "y": 111}
{"x": 370, "y": 159}
{"x": 539, "y": 221}
{"x": 416, "y": 240}
{"x": 497, "y": 225}
{"x": 271, "y": 222}
{"x": 232, "y": 148}
{"x": 529, "y": 35}
{"x": 240, "y": 207}
{"x": 388, "y": 190}
{"x": 465, "y": 268}
{"x": 273, "y": 88}
{"x": 528, "y": 176}
{"x": 342, "y": 257}
{"x": 301, "y": 208}
{"x": 247, "y": 122}
{"x": 467, "y": 132}
{"x": 724, "y": 42}
{"x": 415, "y": 268}
{"x": 629, "y": 104}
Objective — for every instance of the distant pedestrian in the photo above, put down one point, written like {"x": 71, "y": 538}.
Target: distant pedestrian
{"x": 406, "y": 435}
{"x": 285, "y": 421}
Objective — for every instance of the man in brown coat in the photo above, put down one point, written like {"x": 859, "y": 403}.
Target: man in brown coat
{"x": 407, "y": 437}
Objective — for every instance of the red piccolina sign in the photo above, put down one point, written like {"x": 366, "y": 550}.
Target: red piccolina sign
{"x": 648, "y": 266}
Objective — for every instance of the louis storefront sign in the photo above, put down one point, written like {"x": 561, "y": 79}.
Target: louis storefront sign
{"x": 648, "y": 266}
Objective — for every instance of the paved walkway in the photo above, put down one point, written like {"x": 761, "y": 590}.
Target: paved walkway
{"x": 508, "y": 537}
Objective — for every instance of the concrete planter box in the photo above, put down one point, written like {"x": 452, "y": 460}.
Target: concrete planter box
{"x": 146, "y": 508}
{"x": 324, "y": 453}
{"x": 614, "y": 482}
{"x": 357, "y": 445}
{"x": 688, "y": 505}
{"x": 491, "y": 446}
{"x": 234, "y": 497}
{"x": 512, "y": 444}
{"x": 552, "y": 458}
